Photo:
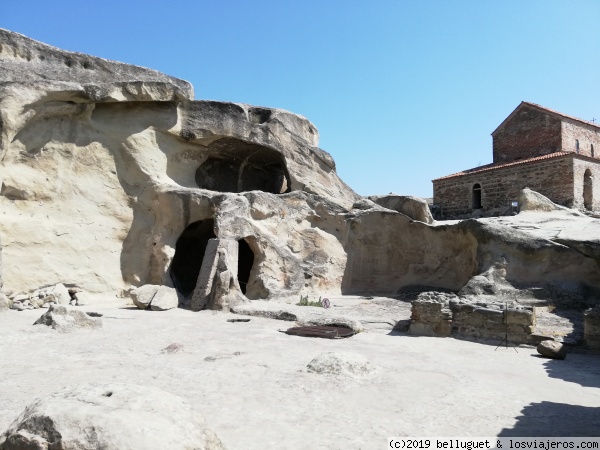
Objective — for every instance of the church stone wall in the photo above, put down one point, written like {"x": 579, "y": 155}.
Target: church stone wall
{"x": 587, "y": 135}
{"x": 500, "y": 187}
{"x": 580, "y": 166}
{"x": 529, "y": 133}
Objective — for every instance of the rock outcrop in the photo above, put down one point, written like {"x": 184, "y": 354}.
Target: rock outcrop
{"x": 111, "y": 417}
{"x": 534, "y": 201}
{"x": 131, "y": 178}
{"x": 414, "y": 207}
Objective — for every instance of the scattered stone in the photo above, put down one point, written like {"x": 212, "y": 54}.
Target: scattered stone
{"x": 66, "y": 319}
{"x": 342, "y": 363}
{"x": 16, "y": 305}
{"x": 110, "y": 417}
{"x": 552, "y": 349}
{"x": 172, "y": 348}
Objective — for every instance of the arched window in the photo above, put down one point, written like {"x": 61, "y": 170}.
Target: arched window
{"x": 577, "y": 145}
{"x": 592, "y": 145}
{"x": 476, "y": 196}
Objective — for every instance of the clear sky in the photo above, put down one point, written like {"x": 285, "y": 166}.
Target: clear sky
{"x": 401, "y": 91}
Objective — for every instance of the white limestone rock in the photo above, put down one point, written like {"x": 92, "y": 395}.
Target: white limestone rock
{"x": 110, "y": 417}
{"x": 165, "y": 298}
{"x": 534, "y": 201}
{"x": 342, "y": 363}
{"x": 414, "y": 207}
{"x": 142, "y": 296}
{"x": 66, "y": 319}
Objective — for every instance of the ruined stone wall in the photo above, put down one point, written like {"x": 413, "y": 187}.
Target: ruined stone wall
{"x": 436, "y": 314}
{"x": 531, "y": 132}
{"x": 479, "y": 321}
{"x": 587, "y": 135}
{"x": 552, "y": 178}
{"x": 580, "y": 166}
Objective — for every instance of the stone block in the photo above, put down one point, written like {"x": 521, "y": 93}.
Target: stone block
{"x": 520, "y": 317}
{"x": 217, "y": 286}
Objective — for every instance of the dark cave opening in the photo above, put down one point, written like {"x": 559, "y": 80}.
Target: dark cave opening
{"x": 245, "y": 263}
{"x": 189, "y": 253}
{"x": 237, "y": 166}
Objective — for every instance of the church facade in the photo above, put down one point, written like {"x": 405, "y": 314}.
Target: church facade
{"x": 535, "y": 147}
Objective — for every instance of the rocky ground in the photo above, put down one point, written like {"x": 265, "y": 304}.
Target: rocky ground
{"x": 251, "y": 382}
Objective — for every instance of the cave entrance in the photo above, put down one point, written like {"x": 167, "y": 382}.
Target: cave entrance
{"x": 189, "y": 253}
{"x": 237, "y": 166}
{"x": 245, "y": 263}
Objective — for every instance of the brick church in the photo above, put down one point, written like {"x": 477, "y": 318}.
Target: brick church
{"x": 549, "y": 152}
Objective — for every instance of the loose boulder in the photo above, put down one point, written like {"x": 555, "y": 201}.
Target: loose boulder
{"x": 534, "y": 201}
{"x": 66, "y": 319}
{"x": 552, "y": 349}
{"x": 155, "y": 298}
{"x": 142, "y": 296}
{"x": 109, "y": 417}
{"x": 164, "y": 299}
{"x": 342, "y": 363}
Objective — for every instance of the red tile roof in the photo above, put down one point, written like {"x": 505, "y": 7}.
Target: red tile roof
{"x": 493, "y": 166}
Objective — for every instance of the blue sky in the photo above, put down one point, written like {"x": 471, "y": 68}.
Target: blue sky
{"x": 401, "y": 91}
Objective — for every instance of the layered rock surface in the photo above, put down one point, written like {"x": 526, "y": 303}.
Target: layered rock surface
{"x": 114, "y": 177}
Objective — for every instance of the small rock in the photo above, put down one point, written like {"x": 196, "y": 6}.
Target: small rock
{"x": 342, "y": 363}
{"x": 57, "y": 293}
{"x": 65, "y": 319}
{"x": 552, "y": 349}
{"x": 172, "y": 348}
{"x": 17, "y": 306}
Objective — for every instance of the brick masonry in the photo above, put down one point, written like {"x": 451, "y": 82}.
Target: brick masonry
{"x": 529, "y": 132}
{"x": 534, "y": 148}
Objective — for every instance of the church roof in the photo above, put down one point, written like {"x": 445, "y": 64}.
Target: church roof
{"x": 549, "y": 111}
{"x": 492, "y": 166}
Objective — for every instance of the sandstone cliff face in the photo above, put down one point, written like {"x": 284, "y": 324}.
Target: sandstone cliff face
{"x": 102, "y": 175}
{"x": 113, "y": 176}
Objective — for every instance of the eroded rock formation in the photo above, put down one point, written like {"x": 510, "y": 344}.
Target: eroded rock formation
{"x": 114, "y": 177}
